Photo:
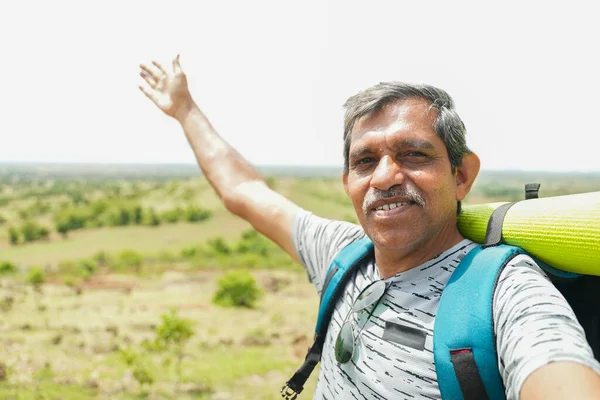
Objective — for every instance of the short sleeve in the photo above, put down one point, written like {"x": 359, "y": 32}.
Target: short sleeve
{"x": 534, "y": 325}
{"x": 317, "y": 240}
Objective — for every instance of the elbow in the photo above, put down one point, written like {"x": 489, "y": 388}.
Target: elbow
{"x": 232, "y": 203}
{"x": 244, "y": 199}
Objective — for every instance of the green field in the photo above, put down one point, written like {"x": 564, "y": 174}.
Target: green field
{"x": 141, "y": 241}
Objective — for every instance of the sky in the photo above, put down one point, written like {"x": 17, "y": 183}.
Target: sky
{"x": 272, "y": 76}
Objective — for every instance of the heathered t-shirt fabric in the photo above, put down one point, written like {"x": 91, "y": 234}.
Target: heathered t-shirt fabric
{"x": 533, "y": 323}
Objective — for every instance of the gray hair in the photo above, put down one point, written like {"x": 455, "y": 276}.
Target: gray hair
{"x": 447, "y": 124}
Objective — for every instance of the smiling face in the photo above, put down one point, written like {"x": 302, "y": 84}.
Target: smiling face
{"x": 401, "y": 182}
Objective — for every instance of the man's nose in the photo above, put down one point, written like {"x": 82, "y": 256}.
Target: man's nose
{"x": 387, "y": 174}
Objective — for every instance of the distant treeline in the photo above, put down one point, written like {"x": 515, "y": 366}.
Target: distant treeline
{"x": 252, "y": 250}
{"x": 159, "y": 172}
{"x": 99, "y": 214}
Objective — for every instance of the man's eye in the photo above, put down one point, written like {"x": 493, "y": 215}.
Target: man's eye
{"x": 416, "y": 154}
{"x": 366, "y": 160}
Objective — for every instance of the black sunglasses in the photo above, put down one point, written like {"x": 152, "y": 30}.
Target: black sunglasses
{"x": 346, "y": 339}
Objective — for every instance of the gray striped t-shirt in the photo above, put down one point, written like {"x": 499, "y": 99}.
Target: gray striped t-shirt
{"x": 386, "y": 366}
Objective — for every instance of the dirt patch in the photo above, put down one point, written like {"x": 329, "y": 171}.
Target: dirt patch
{"x": 107, "y": 283}
{"x": 300, "y": 345}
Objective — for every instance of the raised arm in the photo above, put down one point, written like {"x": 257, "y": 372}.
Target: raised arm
{"x": 241, "y": 188}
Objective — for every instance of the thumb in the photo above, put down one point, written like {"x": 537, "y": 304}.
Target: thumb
{"x": 176, "y": 65}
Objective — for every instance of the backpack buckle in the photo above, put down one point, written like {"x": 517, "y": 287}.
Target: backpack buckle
{"x": 288, "y": 393}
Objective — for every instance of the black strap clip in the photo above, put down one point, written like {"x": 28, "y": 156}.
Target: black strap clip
{"x": 288, "y": 393}
{"x": 493, "y": 234}
{"x": 532, "y": 191}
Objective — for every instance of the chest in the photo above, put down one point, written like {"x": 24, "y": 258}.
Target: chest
{"x": 393, "y": 341}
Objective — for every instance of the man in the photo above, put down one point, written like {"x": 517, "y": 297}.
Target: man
{"x": 407, "y": 167}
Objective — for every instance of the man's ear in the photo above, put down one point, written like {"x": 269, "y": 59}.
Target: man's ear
{"x": 345, "y": 182}
{"x": 466, "y": 174}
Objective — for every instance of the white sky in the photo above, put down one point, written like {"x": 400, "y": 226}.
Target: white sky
{"x": 272, "y": 76}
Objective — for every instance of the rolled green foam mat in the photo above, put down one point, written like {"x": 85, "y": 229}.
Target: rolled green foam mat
{"x": 561, "y": 231}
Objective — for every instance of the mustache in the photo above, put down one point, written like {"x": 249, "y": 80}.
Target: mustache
{"x": 409, "y": 193}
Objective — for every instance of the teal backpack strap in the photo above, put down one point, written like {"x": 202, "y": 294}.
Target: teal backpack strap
{"x": 339, "y": 271}
{"x": 464, "y": 343}
{"x": 338, "y": 274}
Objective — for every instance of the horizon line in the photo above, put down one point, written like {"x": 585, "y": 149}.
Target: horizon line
{"x": 283, "y": 166}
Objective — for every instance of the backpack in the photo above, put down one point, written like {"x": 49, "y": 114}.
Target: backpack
{"x": 464, "y": 345}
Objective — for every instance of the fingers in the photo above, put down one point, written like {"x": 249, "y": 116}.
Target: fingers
{"x": 148, "y": 79}
{"x": 147, "y": 92}
{"x": 151, "y": 72}
{"x": 160, "y": 67}
{"x": 176, "y": 65}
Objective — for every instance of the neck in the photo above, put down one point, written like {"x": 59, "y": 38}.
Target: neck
{"x": 391, "y": 261}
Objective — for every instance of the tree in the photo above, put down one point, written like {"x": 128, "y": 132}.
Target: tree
{"x": 172, "y": 334}
{"x": 13, "y": 235}
{"x": 137, "y": 215}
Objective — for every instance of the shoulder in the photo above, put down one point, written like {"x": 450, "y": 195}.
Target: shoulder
{"x": 534, "y": 324}
{"x": 318, "y": 240}
{"x": 324, "y": 232}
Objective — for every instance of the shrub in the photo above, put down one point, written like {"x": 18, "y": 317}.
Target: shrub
{"x": 188, "y": 252}
{"x": 237, "y": 289}
{"x": 33, "y": 231}
{"x": 13, "y": 235}
{"x": 253, "y": 242}
{"x": 150, "y": 218}
{"x": 172, "y": 334}
{"x": 173, "y": 215}
{"x": 131, "y": 259}
{"x": 196, "y": 214}
{"x": 86, "y": 268}
{"x": 36, "y": 277}
{"x": 137, "y": 214}
{"x": 70, "y": 219}
{"x": 100, "y": 257}
{"x": 219, "y": 246}
{"x": 6, "y": 267}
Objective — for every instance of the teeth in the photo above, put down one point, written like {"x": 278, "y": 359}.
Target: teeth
{"x": 389, "y": 206}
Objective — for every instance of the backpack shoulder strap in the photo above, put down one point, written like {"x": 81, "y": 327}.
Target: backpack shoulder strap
{"x": 464, "y": 344}
{"x": 338, "y": 274}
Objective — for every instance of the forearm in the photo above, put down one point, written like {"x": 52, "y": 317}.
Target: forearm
{"x": 224, "y": 168}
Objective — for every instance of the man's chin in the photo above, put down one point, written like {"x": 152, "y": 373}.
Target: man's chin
{"x": 392, "y": 237}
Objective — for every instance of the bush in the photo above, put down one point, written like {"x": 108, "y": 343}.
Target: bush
{"x": 237, "y": 289}
{"x": 173, "y": 215}
{"x": 13, "y": 235}
{"x": 131, "y": 259}
{"x": 86, "y": 268}
{"x": 219, "y": 246}
{"x": 172, "y": 334}
{"x": 100, "y": 257}
{"x": 70, "y": 219}
{"x": 6, "y": 267}
{"x": 254, "y": 243}
{"x": 196, "y": 214}
{"x": 33, "y": 231}
{"x": 150, "y": 218}
{"x": 36, "y": 277}
{"x": 189, "y": 252}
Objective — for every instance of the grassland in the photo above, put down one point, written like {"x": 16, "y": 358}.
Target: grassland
{"x": 66, "y": 338}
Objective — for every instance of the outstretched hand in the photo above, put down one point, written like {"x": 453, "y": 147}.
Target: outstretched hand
{"x": 167, "y": 89}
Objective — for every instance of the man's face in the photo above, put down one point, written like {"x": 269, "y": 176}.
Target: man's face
{"x": 399, "y": 179}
